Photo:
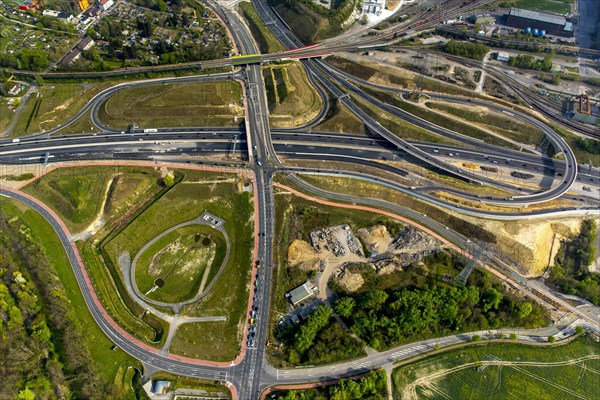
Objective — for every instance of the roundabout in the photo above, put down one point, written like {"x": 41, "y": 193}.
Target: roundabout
{"x": 180, "y": 266}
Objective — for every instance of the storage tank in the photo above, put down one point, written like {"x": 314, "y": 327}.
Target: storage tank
{"x": 527, "y": 30}
{"x": 542, "y": 33}
{"x": 535, "y": 32}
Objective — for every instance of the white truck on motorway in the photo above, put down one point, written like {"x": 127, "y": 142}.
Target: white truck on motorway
{"x": 150, "y": 130}
{"x": 16, "y": 140}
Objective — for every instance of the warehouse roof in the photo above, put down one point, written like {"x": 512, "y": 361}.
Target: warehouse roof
{"x": 300, "y": 293}
{"x": 538, "y": 16}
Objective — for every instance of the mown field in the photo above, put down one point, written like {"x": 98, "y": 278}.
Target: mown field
{"x": 525, "y": 372}
{"x": 179, "y": 259}
{"x": 173, "y": 105}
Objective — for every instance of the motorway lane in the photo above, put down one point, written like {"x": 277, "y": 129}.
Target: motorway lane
{"x": 557, "y": 141}
{"x": 309, "y": 146}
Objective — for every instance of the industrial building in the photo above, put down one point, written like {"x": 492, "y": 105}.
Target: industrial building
{"x": 373, "y": 6}
{"x": 550, "y": 24}
{"x": 300, "y": 293}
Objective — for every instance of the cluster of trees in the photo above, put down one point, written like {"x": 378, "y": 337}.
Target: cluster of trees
{"x": 526, "y": 61}
{"x": 42, "y": 353}
{"x": 386, "y": 318}
{"x": 318, "y": 340}
{"x": 27, "y": 59}
{"x": 475, "y": 51}
{"x": 54, "y": 23}
{"x": 571, "y": 271}
{"x": 589, "y": 145}
{"x": 370, "y": 387}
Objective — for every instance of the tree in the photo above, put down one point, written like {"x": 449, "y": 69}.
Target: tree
{"x": 476, "y": 338}
{"x": 345, "y": 307}
{"x": 579, "y": 330}
{"x": 525, "y": 309}
{"x": 546, "y": 64}
{"x": 551, "y": 339}
{"x": 491, "y": 299}
{"x": 168, "y": 180}
{"x": 26, "y": 394}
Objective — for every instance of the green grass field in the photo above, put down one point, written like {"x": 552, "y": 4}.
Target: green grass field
{"x": 218, "y": 194}
{"x": 180, "y": 260}
{"x": 552, "y": 6}
{"x": 526, "y": 372}
{"x": 229, "y": 295}
{"x": 110, "y": 363}
{"x": 6, "y": 114}
{"x": 76, "y": 193}
{"x": 172, "y": 105}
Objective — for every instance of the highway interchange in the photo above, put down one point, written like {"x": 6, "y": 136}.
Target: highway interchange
{"x": 251, "y": 374}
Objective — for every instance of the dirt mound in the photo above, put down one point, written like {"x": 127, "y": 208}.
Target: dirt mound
{"x": 375, "y": 238}
{"x": 532, "y": 243}
{"x": 351, "y": 281}
{"x": 302, "y": 255}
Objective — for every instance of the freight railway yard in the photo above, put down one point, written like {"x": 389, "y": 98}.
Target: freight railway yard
{"x": 418, "y": 198}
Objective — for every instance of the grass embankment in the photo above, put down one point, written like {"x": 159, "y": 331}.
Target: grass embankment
{"x": 6, "y": 114}
{"x": 292, "y": 99}
{"x": 54, "y": 105}
{"x": 179, "y": 259}
{"x": 404, "y": 78}
{"x": 76, "y": 193}
{"x": 401, "y": 128}
{"x": 173, "y": 105}
{"x": 466, "y": 373}
{"x": 111, "y": 364}
{"x": 310, "y": 22}
{"x": 267, "y": 42}
{"x": 439, "y": 119}
{"x": 340, "y": 119}
{"x": 521, "y": 132}
{"x": 136, "y": 213}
